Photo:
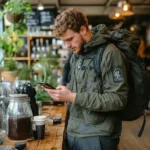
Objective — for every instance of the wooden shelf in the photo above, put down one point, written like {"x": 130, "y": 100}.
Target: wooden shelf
{"x": 60, "y": 59}
{"x": 28, "y": 58}
{"x": 16, "y": 58}
{"x": 40, "y": 36}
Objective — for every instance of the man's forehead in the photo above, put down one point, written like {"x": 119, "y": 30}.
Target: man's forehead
{"x": 66, "y": 38}
{"x": 67, "y": 34}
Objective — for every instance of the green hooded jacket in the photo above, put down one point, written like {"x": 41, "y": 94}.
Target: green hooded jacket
{"x": 98, "y": 101}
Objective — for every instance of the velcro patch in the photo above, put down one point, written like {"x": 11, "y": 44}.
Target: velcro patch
{"x": 118, "y": 75}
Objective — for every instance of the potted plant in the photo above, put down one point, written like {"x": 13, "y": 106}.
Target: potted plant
{"x": 7, "y": 70}
{"x": 14, "y": 10}
{"x": 10, "y": 41}
{"x": 22, "y": 72}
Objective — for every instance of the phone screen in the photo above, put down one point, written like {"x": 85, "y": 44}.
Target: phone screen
{"x": 46, "y": 85}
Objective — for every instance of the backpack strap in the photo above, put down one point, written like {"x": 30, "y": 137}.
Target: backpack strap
{"x": 143, "y": 126}
{"x": 98, "y": 59}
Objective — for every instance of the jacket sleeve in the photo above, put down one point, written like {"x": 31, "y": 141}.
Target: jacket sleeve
{"x": 115, "y": 87}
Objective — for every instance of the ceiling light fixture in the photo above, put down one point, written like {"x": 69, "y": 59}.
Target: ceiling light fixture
{"x": 40, "y": 6}
{"x": 125, "y": 8}
{"x": 115, "y": 15}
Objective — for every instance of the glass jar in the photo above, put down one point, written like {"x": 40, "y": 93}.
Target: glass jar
{"x": 2, "y": 122}
{"x": 5, "y": 90}
{"x": 19, "y": 117}
{"x": 2, "y": 115}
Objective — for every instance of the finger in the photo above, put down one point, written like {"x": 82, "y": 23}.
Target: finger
{"x": 50, "y": 90}
{"x": 60, "y": 87}
{"x": 54, "y": 98}
{"x": 56, "y": 94}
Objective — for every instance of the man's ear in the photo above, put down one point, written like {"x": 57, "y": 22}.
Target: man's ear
{"x": 83, "y": 30}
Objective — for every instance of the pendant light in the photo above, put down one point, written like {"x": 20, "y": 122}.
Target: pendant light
{"x": 40, "y": 6}
{"x": 116, "y": 15}
{"x": 125, "y": 8}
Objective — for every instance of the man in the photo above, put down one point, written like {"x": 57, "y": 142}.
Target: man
{"x": 93, "y": 123}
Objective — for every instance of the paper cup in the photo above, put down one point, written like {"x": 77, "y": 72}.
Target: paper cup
{"x": 39, "y": 122}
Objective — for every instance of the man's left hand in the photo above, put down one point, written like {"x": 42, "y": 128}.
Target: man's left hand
{"x": 61, "y": 93}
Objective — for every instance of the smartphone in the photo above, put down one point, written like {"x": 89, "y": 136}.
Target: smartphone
{"x": 46, "y": 85}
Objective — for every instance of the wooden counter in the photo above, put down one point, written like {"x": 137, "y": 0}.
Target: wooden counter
{"x": 53, "y": 139}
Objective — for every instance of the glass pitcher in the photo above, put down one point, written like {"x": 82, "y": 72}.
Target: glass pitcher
{"x": 19, "y": 117}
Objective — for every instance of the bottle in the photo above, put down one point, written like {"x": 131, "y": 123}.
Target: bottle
{"x": 19, "y": 117}
{"x": 38, "y": 48}
{"x": 2, "y": 115}
{"x": 47, "y": 46}
{"x": 2, "y": 122}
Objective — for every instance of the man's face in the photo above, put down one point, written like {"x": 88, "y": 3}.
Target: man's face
{"x": 73, "y": 40}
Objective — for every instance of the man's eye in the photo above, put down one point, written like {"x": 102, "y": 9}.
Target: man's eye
{"x": 69, "y": 39}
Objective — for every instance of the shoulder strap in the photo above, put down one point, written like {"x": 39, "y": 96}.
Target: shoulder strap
{"x": 98, "y": 59}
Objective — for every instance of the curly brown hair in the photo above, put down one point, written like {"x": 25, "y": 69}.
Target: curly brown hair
{"x": 69, "y": 19}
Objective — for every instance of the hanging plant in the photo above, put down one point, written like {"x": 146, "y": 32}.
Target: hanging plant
{"x": 10, "y": 41}
{"x": 14, "y": 10}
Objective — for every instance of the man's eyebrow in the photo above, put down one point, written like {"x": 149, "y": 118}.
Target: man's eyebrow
{"x": 69, "y": 38}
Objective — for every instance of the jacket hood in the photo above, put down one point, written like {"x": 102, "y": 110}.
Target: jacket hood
{"x": 100, "y": 34}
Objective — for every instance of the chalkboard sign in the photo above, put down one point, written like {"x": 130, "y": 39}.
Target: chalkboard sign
{"x": 46, "y": 17}
{"x": 41, "y": 18}
{"x": 33, "y": 18}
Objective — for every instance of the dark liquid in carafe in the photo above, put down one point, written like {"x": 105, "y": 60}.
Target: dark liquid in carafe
{"x": 19, "y": 129}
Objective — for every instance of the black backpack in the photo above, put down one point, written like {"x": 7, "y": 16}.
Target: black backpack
{"x": 138, "y": 76}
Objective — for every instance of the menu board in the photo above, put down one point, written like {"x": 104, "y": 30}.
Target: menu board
{"x": 41, "y": 18}
{"x": 46, "y": 17}
{"x": 33, "y": 18}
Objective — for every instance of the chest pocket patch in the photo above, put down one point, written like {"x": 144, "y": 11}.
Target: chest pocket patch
{"x": 118, "y": 75}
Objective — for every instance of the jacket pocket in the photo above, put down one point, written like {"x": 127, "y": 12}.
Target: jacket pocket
{"x": 93, "y": 117}
{"x": 93, "y": 84}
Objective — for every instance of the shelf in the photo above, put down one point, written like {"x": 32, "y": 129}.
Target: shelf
{"x": 41, "y": 36}
{"x": 60, "y": 59}
{"x": 28, "y": 58}
{"x": 37, "y": 35}
{"x": 16, "y": 58}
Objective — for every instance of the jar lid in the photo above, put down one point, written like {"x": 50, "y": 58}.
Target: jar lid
{"x": 18, "y": 97}
{"x": 20, "y": 145}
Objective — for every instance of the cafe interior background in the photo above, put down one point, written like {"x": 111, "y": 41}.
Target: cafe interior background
{"x": 41, "y": 57}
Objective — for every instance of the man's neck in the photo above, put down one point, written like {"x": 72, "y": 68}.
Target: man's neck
{"x": 88, "y": 36}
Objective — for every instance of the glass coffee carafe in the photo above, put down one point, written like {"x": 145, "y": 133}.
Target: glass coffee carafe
{"x": 19, "y": 117}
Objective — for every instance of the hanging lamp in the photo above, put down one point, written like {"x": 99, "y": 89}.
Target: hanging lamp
{"x": 40, "y": 6}
{"x": 125, "y": 8}
{"x": 116, "y": 15}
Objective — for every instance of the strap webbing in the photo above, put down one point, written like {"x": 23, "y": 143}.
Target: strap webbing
{"x": 143, "y": 126}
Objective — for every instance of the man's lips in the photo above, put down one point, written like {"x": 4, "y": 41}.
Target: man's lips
{"x": 73, "y": 49}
